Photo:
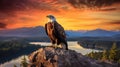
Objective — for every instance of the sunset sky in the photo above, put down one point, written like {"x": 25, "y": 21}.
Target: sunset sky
{"x": 71, "y": 14}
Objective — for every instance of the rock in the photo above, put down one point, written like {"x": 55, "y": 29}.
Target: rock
{"x": 51, "y": 57}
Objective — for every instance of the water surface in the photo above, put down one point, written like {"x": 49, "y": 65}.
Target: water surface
{"x": 73, "y": 45}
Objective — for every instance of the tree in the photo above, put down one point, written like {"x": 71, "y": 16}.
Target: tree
{"x": 15, "y": 65}
{"x": 24, "y": 62}
{"x": 113, "y": 53}
{"x": 92, "y": 54}
{"x": 104, "y": 55}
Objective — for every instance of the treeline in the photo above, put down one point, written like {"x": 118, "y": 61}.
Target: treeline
{"x": 98, "y": 44}
{"x": 28, "y": 39}
{"x": 112, "y": 55}
{"x": 14, "y": 47}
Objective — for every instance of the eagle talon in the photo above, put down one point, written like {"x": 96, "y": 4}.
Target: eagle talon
{"x": 55, "y": 46}
{"x": 51, "y": 46}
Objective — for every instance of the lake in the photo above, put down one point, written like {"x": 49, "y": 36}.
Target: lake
{"x": 73, "y": 45}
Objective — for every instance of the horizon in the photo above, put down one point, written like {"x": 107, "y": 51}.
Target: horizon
{"x": 65, "y": 30}
{"x": 71, "y": 14}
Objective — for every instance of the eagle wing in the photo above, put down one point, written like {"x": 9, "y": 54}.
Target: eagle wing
{"x": 59, "y": 30}
{"x": 50, "y": 31}
{"x": 46, "y": 28}
{"x": 49, "y": 28}
{"x": 60, "y": 34}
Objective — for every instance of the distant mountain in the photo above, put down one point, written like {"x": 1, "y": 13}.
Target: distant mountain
{"x": 39, "y": 31}
{"x": 71, "y": 33}
{"x": 117, "y": 35}
{"x": 100, "y": 33}
{"x": 93, "y": 33}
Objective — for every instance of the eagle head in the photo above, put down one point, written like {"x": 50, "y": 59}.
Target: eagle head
{"x": 51, "y": 17}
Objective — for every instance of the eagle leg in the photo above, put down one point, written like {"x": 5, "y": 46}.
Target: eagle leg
{"x": 64, "y": 46}
{"x": 53, "y": 42}
{"x": 58, "y": 42}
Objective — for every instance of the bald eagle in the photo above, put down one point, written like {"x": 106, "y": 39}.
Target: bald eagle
{"x": 56, "y": 32}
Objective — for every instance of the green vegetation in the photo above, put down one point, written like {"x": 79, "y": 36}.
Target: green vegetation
{"x": 98, "y": 44}
{"x": 95, "y": 55}
{"x": 104, "y": 55}
{"x": 11, "y": 45}
{"x": 112, "y": 55}
{"x": 24, "y": 62}
{"x": 15, "y": 47}
{"x": 15, "y": 65}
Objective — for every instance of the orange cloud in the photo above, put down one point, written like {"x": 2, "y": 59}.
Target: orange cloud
{"x": 28, "y": 13}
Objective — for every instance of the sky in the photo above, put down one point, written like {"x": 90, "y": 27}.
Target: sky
{"x": 71, "y": 14}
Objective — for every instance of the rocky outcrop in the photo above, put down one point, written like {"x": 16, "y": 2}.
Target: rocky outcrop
{"x": 51, "y": 57}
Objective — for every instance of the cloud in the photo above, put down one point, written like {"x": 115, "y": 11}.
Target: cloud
{"x": 31, "y": 12}
{"x": 92, "y": 3}
{"x": 114, "y": 23}
{"x": 21, "y": 5}
{"x": 110, "y": 23}
{"x": 26, "y": 19}
{"x": 117, "y": 28}
{"x": 108, "y": 9}
{"x": 12, "y": 9}
{"x": 8, "y": 6}
{"x": 2, "y": 25}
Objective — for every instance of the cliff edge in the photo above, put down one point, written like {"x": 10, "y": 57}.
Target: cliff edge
{"x": 51, "y": 57}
